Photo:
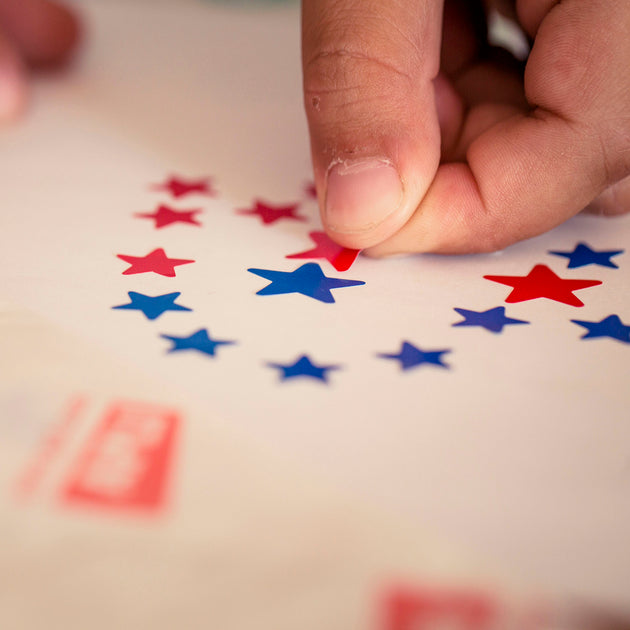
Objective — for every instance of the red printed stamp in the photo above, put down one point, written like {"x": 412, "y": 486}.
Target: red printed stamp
{"x": 126, "y": 463}
{"x": 433, "y": 609}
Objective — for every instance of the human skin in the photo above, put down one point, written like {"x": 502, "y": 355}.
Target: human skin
{"x": 425, "y": 139}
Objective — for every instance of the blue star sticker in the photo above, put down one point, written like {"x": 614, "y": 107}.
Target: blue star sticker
{"x": 304, "y": 367}
{"x": 309, "y": 280}
{"x": 200, "y": 341}
{"x": 410, "y": 356}
{"x": 583, "y": 255}
{"x": 152, "y": 307}
{"x": 610, "y": 326}
{"x": 493, "y": 319}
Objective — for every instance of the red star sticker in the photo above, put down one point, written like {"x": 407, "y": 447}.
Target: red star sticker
{"x": 165, "y": 215}
{"x": 541, "y": 282}
{"x": 179, "y": 187}
{"x": 157, "y": 262}
{"x": 310, "y": 190}
{"x": 341, "y": 258}
{"x": 271, "y": 214}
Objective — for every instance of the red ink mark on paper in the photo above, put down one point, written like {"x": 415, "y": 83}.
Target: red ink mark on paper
{"x": 127, "y": 461}
{"x": 341, "y": 258}
{"x": 542, "y": 282}
{"x": 165, "y": 215}
{"x": 156, "y": 262}
{"x": 425, "y": 610}
{"x": 270, "y": 214}
{"x": 180, "y": 187}
{"x": 50, "y": 447}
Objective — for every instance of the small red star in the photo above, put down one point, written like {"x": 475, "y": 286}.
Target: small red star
{"x": 341, "y": 258}
{"x": 165, "y": 215}
{"x": 310, "y": 190}
{"x": 156, "y": 261}
{"x": 271, "y": 214}
{"x": 179, "y": 187}
{"x": 541, "y": 282}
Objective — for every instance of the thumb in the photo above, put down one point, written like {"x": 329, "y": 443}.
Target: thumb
{"x": 368, "y": 70}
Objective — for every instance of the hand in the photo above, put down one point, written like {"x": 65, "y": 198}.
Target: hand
{"x": 33, "y": 34}
{"x": 426, "y": 139}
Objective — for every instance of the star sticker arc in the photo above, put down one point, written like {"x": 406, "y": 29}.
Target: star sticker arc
{"x": 341, "y": 258}
{"x": 410, "y": 356}
{"x": 542, "y": 282}
{"x": 199, "y": 341}
{"x": 584, "y": 255}
{"x": 611, "y": 327}
{"x": 308, "y": 280}
{"x": 493, "y": 320}
{"x": 303, "y": 367}
{"x": 181, "y": 187}
{"x": 270, "y": 213}
{"x": 156, "y": 261}
{"x": 152, "y": 306}
{"x": 165, "y": 215}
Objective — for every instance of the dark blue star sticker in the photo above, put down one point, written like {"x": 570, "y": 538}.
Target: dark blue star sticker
{"x": 309, "y": 280}
{"x": 493, "y": 319}
{"x": 410, "y": 356}
{"x": 610, "y": 326}
{"x": 152, "y": 307}
{"x": 200, "y": 341}
{"x": 304, "y": 367}
{"x": 583, "y": 255}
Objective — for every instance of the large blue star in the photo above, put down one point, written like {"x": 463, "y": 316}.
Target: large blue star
{"x": 200, "y": 341}
{"x": 610, "y": 326}
{"x": 493, "y": 319}
{"x": 410, "y": 356}
{"x": 304, "y": 367}
{"x": 309, "y": 280}
{"x": 583, "y": 255}
{"x": 152, "y": 307}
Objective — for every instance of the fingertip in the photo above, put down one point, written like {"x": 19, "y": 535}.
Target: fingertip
{"x": 363, "y": 197}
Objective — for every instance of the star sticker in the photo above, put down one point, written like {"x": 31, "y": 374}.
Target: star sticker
{"x": 310, "y": 190}
{"x": 179, "y": 187}
{"x": 152, "y": 307}
{"x": 494, "y": 319}
{"x": 304, "y": 367}
{"x": 542, "y": 282}
{"x": 270, "y": 214}
{"x": 341, "y": 258}
{"x": 610, "y": 326}
{"x": 165, "y": 215}
{"x": 199, "y": 341}
{"x": 156, "y": 261}
{"x": 410, "y": 356}
{"x": 309, "y": 280}
{"x": 583, "y": 255}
